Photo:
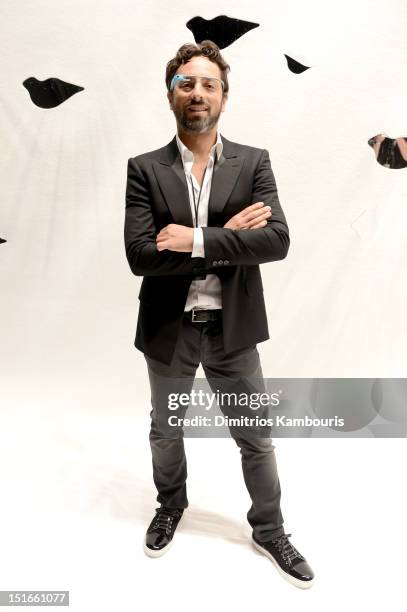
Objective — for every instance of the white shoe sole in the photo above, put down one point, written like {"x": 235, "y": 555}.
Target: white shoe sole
{"x": 302, "y": 584}
{"x": 158, "y": 553}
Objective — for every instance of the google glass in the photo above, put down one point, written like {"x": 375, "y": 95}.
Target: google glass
{"x": 186, "y": 82}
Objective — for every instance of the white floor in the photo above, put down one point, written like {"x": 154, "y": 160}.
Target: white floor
{"x": 77, "y": 495}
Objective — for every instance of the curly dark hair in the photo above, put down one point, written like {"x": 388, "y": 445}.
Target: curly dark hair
{"x": 207, "y": 48}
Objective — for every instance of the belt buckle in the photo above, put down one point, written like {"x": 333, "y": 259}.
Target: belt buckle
{"x": 194, "y": 319}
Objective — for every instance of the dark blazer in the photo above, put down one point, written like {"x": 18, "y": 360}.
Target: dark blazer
{"x": 156, "y": 195}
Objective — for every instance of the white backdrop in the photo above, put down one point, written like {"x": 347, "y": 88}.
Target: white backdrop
{"x": 336, "y": 305}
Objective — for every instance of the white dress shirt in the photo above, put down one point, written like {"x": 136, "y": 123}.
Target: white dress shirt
{"x": 206, "y": 294}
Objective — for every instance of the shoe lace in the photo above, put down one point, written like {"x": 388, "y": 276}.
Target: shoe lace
{"x": 287, "y": 550}
{"x": 164, "y": 519}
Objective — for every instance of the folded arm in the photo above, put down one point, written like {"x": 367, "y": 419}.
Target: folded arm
{"x": 254, "y": 246}
{"x": 140, "y": 234}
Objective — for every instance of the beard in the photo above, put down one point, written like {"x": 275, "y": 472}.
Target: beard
{"x": 196, "y": 123}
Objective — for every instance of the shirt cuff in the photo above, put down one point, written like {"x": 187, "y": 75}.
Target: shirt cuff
{"x": 198, "y": 249}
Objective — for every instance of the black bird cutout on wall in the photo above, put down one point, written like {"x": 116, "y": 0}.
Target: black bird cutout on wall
{"x": 50, "y": 93}
{"x": 389, "y": 152}
{"x": 222, "y": 30}
{"x": 295, "y": 66}
{"x": 2, "y": 240}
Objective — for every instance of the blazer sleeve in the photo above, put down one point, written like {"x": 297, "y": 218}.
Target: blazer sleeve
{"x": 252, "y": 246}
{"x": 140, "y": 233}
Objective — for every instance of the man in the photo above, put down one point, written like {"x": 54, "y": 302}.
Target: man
{"x": 201, "y": 214}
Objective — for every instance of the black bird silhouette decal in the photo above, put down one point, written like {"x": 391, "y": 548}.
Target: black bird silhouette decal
{"x": 222, "y": 30}
{"x": 295, "y": 66}
{"x": 51, "y": 92}
{"x": 2, "y": 240}
{"x": 390, "y": 152}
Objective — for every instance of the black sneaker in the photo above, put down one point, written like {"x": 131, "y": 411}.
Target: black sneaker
{"x": 288, "y": 561}
{"x": 161, "y": 530}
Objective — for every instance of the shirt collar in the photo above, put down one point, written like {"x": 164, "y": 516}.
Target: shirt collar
{"x": 188, "y": 156}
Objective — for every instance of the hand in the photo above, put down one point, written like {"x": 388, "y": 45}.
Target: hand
{"x": 251, "y": 217}
{"x": 176, "y": 238}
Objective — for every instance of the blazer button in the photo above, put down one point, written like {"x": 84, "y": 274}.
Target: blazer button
{"x": 226, "y": 262}
{"x": 214, "y": 263}
{"x": 220, "y": 262}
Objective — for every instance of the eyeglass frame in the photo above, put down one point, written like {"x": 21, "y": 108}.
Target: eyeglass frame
{"x": 185, "y": 77}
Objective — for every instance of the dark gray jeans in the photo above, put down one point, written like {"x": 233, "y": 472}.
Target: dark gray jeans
{"x": 203, "y": 343}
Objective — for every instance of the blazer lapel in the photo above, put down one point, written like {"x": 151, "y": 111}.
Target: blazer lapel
{"x": 224, "y": 178}
{"x": 169, "y": 172}
{"x": 170, "y": 175}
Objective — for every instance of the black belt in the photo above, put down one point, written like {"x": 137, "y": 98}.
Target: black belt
{"x": 197, "y": 315}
